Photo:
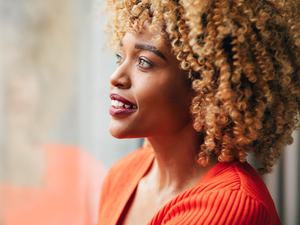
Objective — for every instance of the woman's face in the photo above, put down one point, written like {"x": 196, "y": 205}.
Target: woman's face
{"x": 150, "y": 93}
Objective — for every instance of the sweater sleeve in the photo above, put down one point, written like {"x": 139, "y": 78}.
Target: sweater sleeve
{"x": 219, "y": 207}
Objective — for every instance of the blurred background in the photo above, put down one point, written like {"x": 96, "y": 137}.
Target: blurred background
{"x": 55, "y": 147}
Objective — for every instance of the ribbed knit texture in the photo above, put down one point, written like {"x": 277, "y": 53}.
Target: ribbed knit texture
{"x": 230, "y": 193}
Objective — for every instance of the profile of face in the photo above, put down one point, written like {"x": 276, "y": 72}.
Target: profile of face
{"x": 150, "y": 94}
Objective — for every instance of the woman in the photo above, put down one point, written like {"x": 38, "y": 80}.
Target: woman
{"x": 207, "y": 82}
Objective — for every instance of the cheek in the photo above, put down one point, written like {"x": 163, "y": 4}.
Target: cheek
{"x": 168, "y": 90}
{"x": 174, "y": 96}
{"x": 178, "y": 104}
{"x": 166, "y": 105}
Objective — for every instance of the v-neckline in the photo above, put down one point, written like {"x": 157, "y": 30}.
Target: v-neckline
{"x": 143, "y": 171}
{"x": 139, "y": 174}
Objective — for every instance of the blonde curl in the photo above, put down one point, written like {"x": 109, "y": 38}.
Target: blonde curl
{"x": 243, "y": 58}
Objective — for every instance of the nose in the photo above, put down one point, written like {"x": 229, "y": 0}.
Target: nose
{"x": 120, "y": 78}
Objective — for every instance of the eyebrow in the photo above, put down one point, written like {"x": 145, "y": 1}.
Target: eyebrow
{"x": 147, "y": 47}
{"x": 150, "y": 48}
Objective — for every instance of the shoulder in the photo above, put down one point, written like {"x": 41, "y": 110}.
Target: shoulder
{"x": 236, "y": 177}
{"x": 231, "y": 193}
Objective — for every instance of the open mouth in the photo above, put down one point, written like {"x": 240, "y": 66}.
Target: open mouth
{"x": 119, "y": 102}
{"x": 119, "y": 105}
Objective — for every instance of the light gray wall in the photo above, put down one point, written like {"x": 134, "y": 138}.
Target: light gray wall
{"x": 86, "y": 120}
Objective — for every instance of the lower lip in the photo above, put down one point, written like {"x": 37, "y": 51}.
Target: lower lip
{"x": 120, "y": 111}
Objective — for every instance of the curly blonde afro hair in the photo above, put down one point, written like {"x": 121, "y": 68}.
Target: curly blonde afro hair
{"x": 243, "y": 61}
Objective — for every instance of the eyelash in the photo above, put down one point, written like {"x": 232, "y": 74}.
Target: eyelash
{"x": 140, "y": 62}
{"x": 119, "y": 58}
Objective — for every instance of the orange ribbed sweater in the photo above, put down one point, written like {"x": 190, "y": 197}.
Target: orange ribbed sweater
{"x": 230, "y": 193}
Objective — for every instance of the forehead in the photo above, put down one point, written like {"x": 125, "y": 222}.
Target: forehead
{"x": 144, "y": 34}
{"x": 140, "y": 37}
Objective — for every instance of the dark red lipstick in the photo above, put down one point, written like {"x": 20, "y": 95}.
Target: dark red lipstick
{"x": 114, "y": 96}
{"x": 120, "y": 105}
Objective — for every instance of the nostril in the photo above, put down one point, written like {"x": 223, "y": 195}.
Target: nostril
{"x": 120, "y": 78}
{"x": 120, "y": 85}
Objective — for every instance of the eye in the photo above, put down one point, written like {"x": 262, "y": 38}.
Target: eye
{"x": 119, "y": 59}
{"x": 144, "y": 64}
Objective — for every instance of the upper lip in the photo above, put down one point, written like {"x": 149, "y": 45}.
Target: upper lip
{"x": 114, "y": 96}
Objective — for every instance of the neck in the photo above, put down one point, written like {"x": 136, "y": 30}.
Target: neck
{"x": 175, "y": 168}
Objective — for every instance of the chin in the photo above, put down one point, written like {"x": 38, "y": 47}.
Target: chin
{"x": 118, "y": 132}
{"x": 117, "y": 135}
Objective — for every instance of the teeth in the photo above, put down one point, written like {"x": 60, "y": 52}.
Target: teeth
{"x": 118, "y": 104}
{"x": 114, "y": 103}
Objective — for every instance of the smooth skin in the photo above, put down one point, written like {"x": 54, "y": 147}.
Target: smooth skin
{"x": 149, "y": 76}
